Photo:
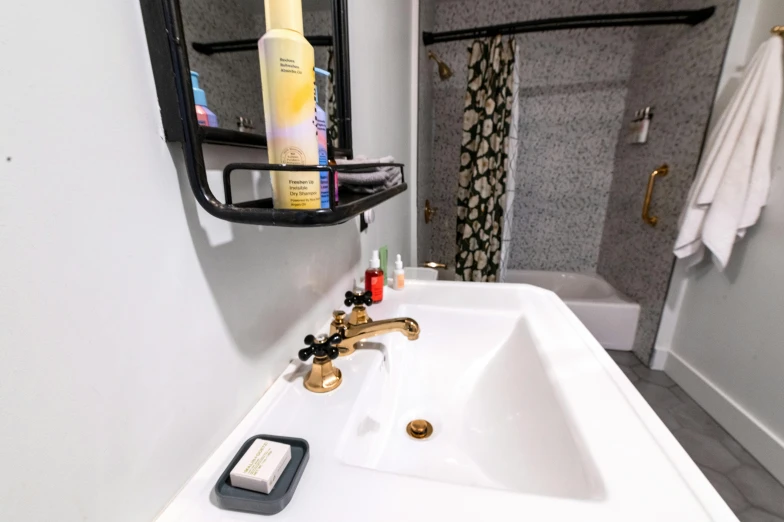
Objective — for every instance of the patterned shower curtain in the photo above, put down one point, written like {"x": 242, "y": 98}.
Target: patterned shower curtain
{"x": 481, "y": 192}
{"x": 332, "y": 113}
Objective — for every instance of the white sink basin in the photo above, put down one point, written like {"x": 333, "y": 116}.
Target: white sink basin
{"x": 497, "y": 419}
{"x": 532, "y": 420}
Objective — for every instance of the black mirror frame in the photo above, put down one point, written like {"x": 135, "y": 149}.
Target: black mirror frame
{"x": 169, "y": 59}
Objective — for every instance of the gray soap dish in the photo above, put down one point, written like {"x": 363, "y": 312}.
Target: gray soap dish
{"x": 237, "y": 499}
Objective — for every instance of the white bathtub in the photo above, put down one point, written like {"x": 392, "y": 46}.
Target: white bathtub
{"x": 610, "y": 316}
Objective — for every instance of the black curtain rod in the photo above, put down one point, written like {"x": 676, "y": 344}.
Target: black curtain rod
{"x": 235, "y": 46}
{"x": 688, "y": 17}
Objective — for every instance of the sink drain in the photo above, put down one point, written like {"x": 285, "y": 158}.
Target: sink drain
{"x": 419, "y": 429}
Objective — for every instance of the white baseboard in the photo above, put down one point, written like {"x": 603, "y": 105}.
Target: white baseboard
{"x": 659, "y": 359}
{"x": 752, "y": 434}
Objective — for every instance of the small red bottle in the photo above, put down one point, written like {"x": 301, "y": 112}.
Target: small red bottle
{"x": 375, "y": 279}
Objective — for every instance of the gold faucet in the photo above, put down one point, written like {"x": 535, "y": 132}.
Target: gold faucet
{"x": 355, "y": 333}
{"x": 342, "y": 340}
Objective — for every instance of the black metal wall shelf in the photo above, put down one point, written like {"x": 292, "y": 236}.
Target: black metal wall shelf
{"x": 169, "y": 58}
{"x": 687, "y": 17}
{"x": 350, "y": 204}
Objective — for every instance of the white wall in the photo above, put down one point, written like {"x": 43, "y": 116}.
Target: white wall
{"x": 129, "y": 347}
{"x": 380, "y": 34}
{"x": 723, "y": 337}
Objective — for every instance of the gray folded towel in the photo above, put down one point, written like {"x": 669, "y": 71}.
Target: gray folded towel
{"x": 370, "y": 180}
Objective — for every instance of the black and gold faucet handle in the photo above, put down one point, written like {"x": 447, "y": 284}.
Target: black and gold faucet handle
{"x": 358, "y": 298}
{"x": 321, "y": 346}
{"x": 323, "y": 376}
{"x": 360, "y": 301}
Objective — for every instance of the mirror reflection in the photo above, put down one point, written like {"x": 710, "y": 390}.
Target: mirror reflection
{"x": 229, "y": 74}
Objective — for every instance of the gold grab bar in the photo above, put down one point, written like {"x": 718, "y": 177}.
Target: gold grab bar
{"x": 661, "y": 171}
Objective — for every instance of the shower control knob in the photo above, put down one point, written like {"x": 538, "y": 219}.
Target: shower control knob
{"x": 321, "y": 346}
{"x": 358, "y": 298}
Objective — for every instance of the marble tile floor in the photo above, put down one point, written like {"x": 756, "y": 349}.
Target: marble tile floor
{"x": 752, "y": 493}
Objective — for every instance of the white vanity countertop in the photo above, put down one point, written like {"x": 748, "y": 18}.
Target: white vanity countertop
{"x": 645, "y": 475}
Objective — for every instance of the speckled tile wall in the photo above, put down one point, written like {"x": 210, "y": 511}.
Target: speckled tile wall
{"x": 572, "y": 90}
{"x": 568, "y": 127}
{"x": 232, "y": 81}
{"x": 447, "y": 124}
{"x": 676, "y": 70}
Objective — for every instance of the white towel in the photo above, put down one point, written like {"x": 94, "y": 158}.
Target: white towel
{"x": 734, "y": 177}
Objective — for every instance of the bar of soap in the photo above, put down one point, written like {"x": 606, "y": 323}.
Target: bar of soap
{"x": 261, "y": 466}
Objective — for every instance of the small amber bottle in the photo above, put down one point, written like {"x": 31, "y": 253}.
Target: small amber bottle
{"x": 375, "y": 279}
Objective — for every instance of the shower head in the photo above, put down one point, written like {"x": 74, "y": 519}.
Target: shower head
{"x": 444, "y": 72}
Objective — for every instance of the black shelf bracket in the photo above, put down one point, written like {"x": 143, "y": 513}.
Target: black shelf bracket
{"x": 219, "y": 136}
{"x": 235, "y": 46}
{"x": 350, "y": 203}
{"x": 686, "y": 17}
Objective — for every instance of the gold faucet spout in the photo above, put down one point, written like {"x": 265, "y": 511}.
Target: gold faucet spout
{"x": 404, "y": 325}
{"x": 353, "y": 334}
